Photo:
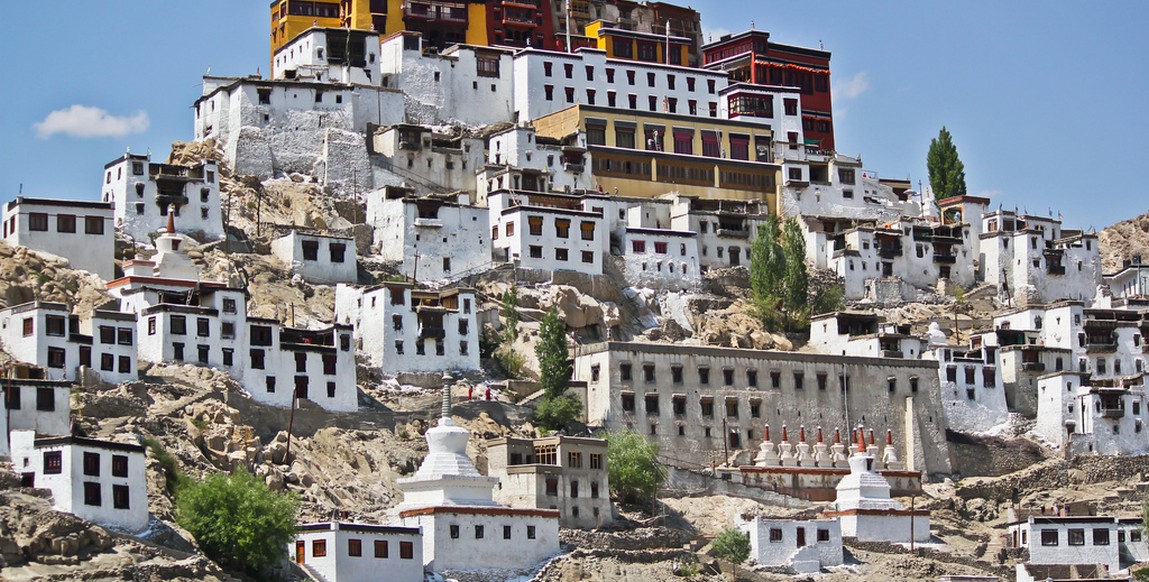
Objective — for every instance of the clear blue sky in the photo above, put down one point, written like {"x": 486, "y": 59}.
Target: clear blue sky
{"x": 1046, "y": 100}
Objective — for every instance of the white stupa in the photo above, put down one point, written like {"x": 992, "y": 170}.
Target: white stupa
{"x": 464, "y": 529}
{"x": 867, "y": 511}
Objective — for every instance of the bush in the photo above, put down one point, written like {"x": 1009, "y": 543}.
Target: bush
{"x": 513, "y": 363}
{"x": 556, "y": 412}
{"x": 632, "y": 466}
{"x": 238, "y": 521}
{"x": 174, "y": 479}
{"x": 732, "y": 545}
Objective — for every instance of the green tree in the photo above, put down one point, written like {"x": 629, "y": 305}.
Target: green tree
{"x": 947, "y": 172}
{"x": 796, "y": 281}
{"x": 632, "y": 467}
{"x": 732, "y": 545}
{"x": 767, "y": 263}
{"x": 510, "y": 315}
{"x": 553, "y": 355}
{"x": 238, "y": 521}
{"x": 557, "y": 412}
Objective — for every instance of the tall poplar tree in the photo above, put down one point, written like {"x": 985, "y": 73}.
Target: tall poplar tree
{"x": 947, "y": 172}
{"x": 767, "y": 263}
{"x": 796, "y": 279}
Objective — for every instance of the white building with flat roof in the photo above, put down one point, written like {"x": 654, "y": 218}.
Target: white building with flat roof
{"x": 404, "y": 329}
{"x": 547, "y": 232}
{"x": 80, "y": 231}
{"x": 431, "y": 238}
{"x": 49, "y": 336}
{"x": 464, "y": 529}
{"x": 560, "y": 472}
{"x": 804, "y": 546}
{"x": 334, "y": 55}
{"x": 1032, "y": 259}
{"x": 100, "y": 481}
{"x": 319, "y": 258}
{"x": 357, "y": 552}
{"x": 519, "y": 159}
{"x": 1112, "y": 544}
{"x": 441, "y": 162}
{"x": 145, "y": 192}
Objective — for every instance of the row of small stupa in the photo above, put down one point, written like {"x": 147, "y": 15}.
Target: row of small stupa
{"x": 819, "y": 454}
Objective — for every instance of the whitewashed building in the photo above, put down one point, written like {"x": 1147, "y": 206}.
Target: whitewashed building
{"x": 560, "y": 472}
{"x": 804, "y": 546}
{"x": 319, "y": 258}
{"x": 862, "y": 333}
{"x": 42, "y": 406}
{"x": 101, "y": 481}
{"x": 334, "y": 55}
{"x": 403, "y": 329}
{"x": 267, "y": 128}
{"x": 470, "y": 85}
{"x": 437, "y": 161}
{"x": 520, "y": 159}
{"x": 547, "y": 232}
{"x": 80, "y": 231}
{"x": 866, "y": 510}
{"x": 1032, "y": 259}
{"x": 464, "y": 529}
{"x": 1111, "y": 544}
{"x": 973, "y": 394}
{"x": 48, "y": 335}
{"x": 431, "y": 238}
{"x": 144, "y": 193}
{"x": 1131, "y": 282}
{"x": 724, "y": 229}
{"x": 356, "y": 552}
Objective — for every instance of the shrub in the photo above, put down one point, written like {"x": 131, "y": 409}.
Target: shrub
{"x": 174, "y": 479}
{"x": 556, "y": 412}
{"x": 238, "y": 521}
{"x": 632, "y": 466}
{"x": 732, "y": 545}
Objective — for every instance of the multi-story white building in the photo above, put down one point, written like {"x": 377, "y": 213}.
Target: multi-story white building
{"x": 547, "y": 232}
{"x": 1112, "y": 543}
{"x": 1131, "y": 282}
{"x": 266, "y": 128}
{"x": 548, "y": 81}
{"x": 356, "y": 552}
{"x": 434, "y": 161}
{"x": 470, "y": 85}
{"x": 695, "y": 401}
{"x": 321, "y": 259}
{"x": 334, "y": 55}
{"x": 49, "y": 336}
{"x": 805, "y": 546}
{"x": 99, "y": 481}
{"x": 861, "y": 333}
{"x": 432, "y": 238}
{"x": 725, "y": 229}
{"x": 564, "y": 473}
{"x": 1032, "y": 259}
{"x": 464, "y": 529}
{"x": 519, "y": 159}
{"x": 972, "y": 391}
{"x": 144, "y": 193}
{"x": 78, "y": 230}
{"x": 402, "y": 329}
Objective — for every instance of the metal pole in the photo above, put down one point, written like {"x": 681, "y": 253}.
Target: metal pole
{"x": 569, "y": 26}
{"x": 290, "y": 424}
{"x": 725, "y": 436}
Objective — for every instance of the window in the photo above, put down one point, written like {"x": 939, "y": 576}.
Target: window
{"x": 676, "y": 374}
{"x": 107, "y": 362}
{"x": 775, "y": 535}
{"x": 1100, "y": 536}
{"x": 121, "y": 497}
{"x": 56, "y": 357}
{"x": 478, "y": 532}
{"x": 227, "y": 330}
{"x": 624, "y": 370}
{"x": 310, "y": 250}
{"x": 54, "y": 325}
{"x": 337, "y": 251}
{"x": 93, "y": 225}
{"x": 45, "y": 399}
{"x": 1049, "y": 537}
{"x": 257, "y": 359}
{"x": 596, "y": 460}
{"x": 107, "y": 334}
{"x": 355, "y": 548}
{"x": 328, "y": 364}
{"x": 381, "y": 548}
{"x": 65, "y": 223}
{"x": 92, "y": 494}
{"x": 177, "y": 351}
{"x": 202, "y": 352}
{"x": 203, "y": 327}
{"x": 53, "y": 462}
{"x": 300, "y": 362}
{"x": 318, "y": 548}
{"x": 331, "y": 389}
{"x": 229, "y": 306}
{"x": 124, "y": 364}
{"x": 704, "y": 375}
{"x": 1076, "y": 537}
{"x": 179, "y": 325}
{"x": 821, "y": 380}
{"x": 406, "y": 550}
{"x": 38, "y": 221}
{"x": 648, "y": 372}
{"x": 627, "y": 402}
{"x": 707, "y": 405}
{"x": 28, "y": 326}
{"x": 124, "y": 336}
{"x": 269, "y": 383}
{"x": 530, "y": 532}
{"x": 823, "y": 535}
{"x": 119, "y": 465}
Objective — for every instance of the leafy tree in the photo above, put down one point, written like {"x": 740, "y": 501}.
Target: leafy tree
{"x": 632, "y": 467}
{"x": 237, "y": 520}
{"x": 732, "y": 545}
{"x": 827, "y": 298}
{"x": 556, "y": 412}
{"x": 947, "y": 172}
{"x": 553, "y": 355}
{"x": 767, "y": 263}
{"x": 796, "y": 281}
{"x": 510, "y": 315}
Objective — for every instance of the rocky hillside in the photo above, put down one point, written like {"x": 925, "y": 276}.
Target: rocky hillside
{"x": 1124, "y": 240}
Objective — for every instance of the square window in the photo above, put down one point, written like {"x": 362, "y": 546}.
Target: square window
{"x": 355, "y": 548}
{"x": 406, "y": 550}
{"x": 381, "y": 549}
{"x": 1076, "y": 537}
{"x": 1049, "y": 537}
{"x": 92, "y": 494}
{"x": 45, "y": 399}
{"x": 318, "y": 548}
{"x": 53, "y": 462}
{"x": 121, "y": 497}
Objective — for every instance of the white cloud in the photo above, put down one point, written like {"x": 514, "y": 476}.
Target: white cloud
{"x": 84, "y": 122}
{"x": 852, "y": 87}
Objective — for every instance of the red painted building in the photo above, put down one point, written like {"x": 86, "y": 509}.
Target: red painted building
{"x": 750, "y": 57}
{"x": 522, "y": 23}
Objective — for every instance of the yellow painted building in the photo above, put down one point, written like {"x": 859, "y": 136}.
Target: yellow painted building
{"x": 459, "y": 21}
{"x": 645, "y": 154}
{"x": 639, "y": 46}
